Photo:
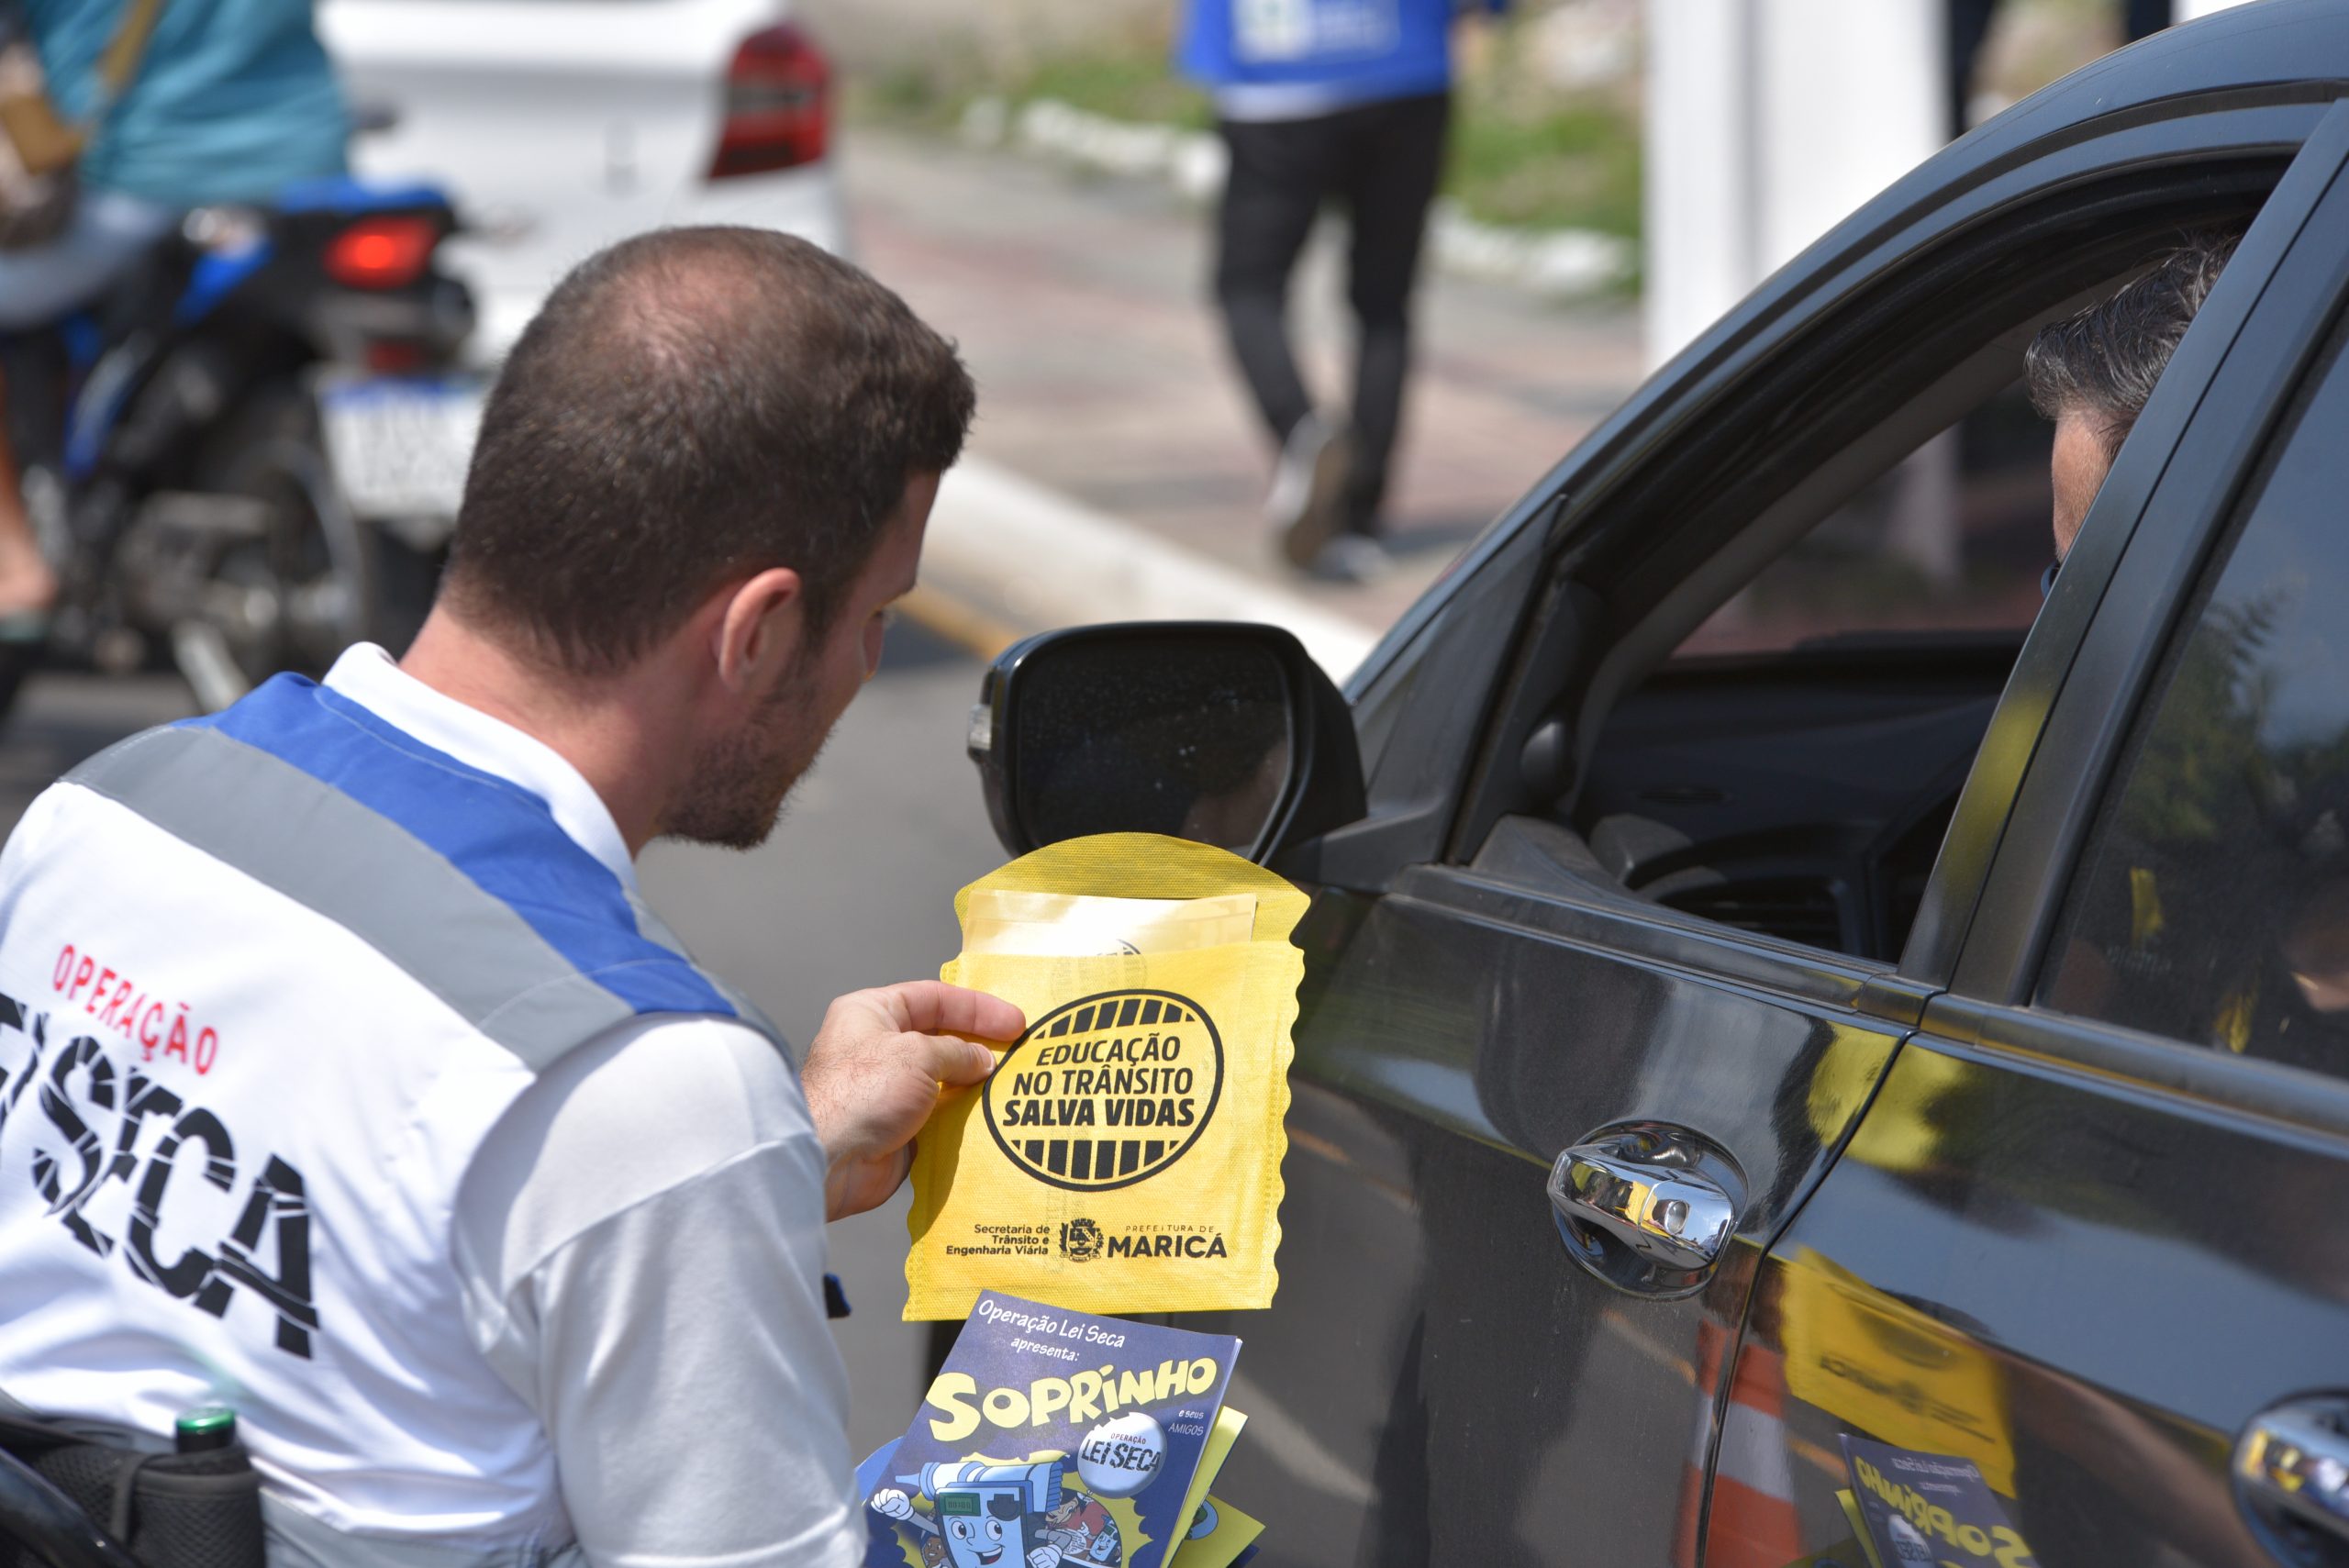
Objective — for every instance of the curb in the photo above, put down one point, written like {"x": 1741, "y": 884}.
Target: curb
{"x": 1006, "y": 558}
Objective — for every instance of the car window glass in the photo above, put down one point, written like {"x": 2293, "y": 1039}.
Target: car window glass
{"x": 1791, "y": 769}
{"x": 2214, "y": 903}
{"x": 1955, "y": 538}
{"x": 1808, "y": 604}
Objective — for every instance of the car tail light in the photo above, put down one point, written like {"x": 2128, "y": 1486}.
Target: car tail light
{"x": 382, "y": 253}
{"x": 778, "y": 104}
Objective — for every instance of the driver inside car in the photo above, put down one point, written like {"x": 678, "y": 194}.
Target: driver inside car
{"x": 2092, "y": 373}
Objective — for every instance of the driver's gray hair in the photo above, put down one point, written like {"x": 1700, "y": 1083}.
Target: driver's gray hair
{"x": 2103, "y": 363}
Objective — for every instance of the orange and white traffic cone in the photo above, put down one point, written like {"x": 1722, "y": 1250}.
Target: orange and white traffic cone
{"x": 1754, "y": 1523}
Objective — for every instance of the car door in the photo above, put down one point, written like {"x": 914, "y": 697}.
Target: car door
{"x": 2077, "y": 1291}
{"x": 1471, "y": 1359}
{"x": 561, "y": 125}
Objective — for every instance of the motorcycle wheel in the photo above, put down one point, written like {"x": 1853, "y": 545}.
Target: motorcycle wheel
{"x": 313, "y": 582}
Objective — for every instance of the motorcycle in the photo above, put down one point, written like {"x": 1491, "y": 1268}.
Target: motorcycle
{"x": 248, "y": 454}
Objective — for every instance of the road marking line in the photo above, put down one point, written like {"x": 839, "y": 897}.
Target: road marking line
{"x": 963, "y": 624}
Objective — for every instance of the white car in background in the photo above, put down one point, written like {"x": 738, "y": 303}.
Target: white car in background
{"x": 559, "y": 126}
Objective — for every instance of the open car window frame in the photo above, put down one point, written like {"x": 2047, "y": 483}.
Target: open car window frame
{"x": 2149, "y": 198}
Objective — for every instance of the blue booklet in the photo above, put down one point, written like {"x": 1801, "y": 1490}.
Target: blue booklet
{"x": 1050, "y": 1439}
{"x": 1924, "y": 1509}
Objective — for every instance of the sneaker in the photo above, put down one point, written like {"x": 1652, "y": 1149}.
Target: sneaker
{"x": 1351, "y": 558}
{"x": 1306, "y": 503}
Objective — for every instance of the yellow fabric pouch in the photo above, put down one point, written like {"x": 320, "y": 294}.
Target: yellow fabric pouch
{"x": 1125, "y": 1155}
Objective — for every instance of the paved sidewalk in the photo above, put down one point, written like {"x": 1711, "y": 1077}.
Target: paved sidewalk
{"x": 1080, "y": 304}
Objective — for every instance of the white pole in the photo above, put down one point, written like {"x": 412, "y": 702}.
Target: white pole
{"x": 1768, "y": 121}
{"x": 1853, "y": 100}
{"x": 1700, "y": 187}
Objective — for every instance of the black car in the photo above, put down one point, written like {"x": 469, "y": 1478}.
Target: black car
{"x": 1772, "y": 981}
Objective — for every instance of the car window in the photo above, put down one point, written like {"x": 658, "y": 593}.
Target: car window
{"x": 1954, "y": 539}
{"x": 2213, "y": 906}
{"x": 1755, "y": 688}
{"x": 1790, "y": 770}
{"x": 1791, "y": 762}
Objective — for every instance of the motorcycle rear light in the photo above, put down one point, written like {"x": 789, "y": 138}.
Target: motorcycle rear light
{"x": 389, "y": 356}
{"x": 778, "y": 104}
{"x": 383, "y": 252}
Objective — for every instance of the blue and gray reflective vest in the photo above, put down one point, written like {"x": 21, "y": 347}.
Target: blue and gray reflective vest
{"x": 267, "y": 980}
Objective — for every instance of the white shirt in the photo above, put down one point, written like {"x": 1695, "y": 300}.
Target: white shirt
{"x": 641, "y": 1244}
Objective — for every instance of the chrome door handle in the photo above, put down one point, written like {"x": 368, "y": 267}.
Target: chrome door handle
{"x": 2293, "y": 1465}
{"x": 1649, "y": 1187}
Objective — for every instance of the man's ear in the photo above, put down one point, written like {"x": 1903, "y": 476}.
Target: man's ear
{"x": 762, "y": 624}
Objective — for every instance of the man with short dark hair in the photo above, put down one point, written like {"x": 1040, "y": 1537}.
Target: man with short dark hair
{"x": 504, "y": 1235}
{"x": 2092, "y": 373}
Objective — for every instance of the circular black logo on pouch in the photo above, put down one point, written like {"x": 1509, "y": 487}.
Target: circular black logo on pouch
{"x": 1107, "y": 1091}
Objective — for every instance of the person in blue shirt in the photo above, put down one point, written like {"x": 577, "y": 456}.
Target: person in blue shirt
{"x": 232, "y": 100}
{"x": 1325, "y": 101}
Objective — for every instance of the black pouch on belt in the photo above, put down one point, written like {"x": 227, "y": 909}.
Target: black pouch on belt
{"x": 173, "y": 1510}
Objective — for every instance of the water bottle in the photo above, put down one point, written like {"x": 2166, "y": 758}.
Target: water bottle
{"x": 206, "y": 1428}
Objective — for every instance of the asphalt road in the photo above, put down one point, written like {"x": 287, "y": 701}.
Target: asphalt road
{"x": 855, "y": 889}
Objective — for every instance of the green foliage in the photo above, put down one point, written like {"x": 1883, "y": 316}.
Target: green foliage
{"x": 1522, "y": 154}
{"x": 1123, "y": 86}
{"x": 928, "y": 93}
{"x": 1572, "y": 164}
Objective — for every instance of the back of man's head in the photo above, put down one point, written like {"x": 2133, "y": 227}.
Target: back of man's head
{"x": 691, "y": 407}
{"x": 2100, "y": 365}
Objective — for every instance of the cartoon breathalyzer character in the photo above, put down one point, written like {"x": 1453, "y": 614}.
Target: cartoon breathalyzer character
{"x": 989, "y": 1516}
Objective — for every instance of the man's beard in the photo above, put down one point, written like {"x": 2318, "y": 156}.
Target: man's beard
{"x": 735, "y": 795}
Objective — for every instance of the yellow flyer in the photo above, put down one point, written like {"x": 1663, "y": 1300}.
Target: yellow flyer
{"x": 1125, "y": 1156}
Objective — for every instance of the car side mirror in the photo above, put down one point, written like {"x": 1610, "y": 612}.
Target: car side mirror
{"x": 1222, "y": 732}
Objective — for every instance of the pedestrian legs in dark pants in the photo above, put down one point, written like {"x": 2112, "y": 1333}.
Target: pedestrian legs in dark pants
{"x": 1380, "y": 161}
{"x": 1969, "y": 25}
{"x": 2143, "y": 19}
